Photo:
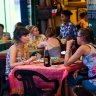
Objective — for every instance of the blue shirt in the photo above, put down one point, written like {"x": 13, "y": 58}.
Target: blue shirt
{"x": 68, "y": 29}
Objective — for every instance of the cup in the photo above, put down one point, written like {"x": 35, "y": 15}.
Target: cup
{"x": 38, "y": 58}
{"x": 4, "y": 39}
{"x": 63, "y": 41}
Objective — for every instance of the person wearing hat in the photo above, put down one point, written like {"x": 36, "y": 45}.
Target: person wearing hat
{"x": 67, "y": 28}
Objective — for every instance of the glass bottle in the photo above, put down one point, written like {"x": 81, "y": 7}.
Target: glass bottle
{"x": 46, "y": 57}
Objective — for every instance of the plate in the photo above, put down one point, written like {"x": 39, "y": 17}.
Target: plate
{"x": 57, "y": 61}
{"x": 63, "y": 52}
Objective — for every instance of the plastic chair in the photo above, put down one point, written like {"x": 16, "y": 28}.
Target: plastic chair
{"x": 30, "y": 88}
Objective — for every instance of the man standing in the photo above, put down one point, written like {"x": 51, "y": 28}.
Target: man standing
{"x": 6, "y": 34}
{"x": 67, "y": 28}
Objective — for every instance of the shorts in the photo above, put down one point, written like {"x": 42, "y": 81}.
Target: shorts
{"x": 86, "y": 84}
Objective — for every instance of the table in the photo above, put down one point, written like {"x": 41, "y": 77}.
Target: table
{"x": 58, "y": 72}
{"x": 4, "y": 46}
{"x": 31, "y": 51}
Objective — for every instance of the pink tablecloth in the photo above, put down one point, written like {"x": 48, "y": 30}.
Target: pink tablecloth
{"x": 54, "y": 72}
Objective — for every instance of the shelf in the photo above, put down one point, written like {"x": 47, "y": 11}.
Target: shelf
{"x": 77, "y": 4}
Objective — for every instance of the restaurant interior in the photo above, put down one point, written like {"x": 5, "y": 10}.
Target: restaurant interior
{"x": 41, "y": 70}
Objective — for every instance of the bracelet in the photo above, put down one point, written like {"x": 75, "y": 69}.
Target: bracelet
{"x": 68, "y": 51}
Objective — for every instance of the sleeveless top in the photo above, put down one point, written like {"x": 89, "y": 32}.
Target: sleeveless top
{"x": 55, "y": 52}
{"x": 19, "y": 58}
{"x": 90, "y": 62}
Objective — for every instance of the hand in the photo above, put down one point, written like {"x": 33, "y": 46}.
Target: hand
{"x": 27, "y": 61}
{"x": 38, "y": 56}
{"x": 70, "y": 43}
{"x": 31, "y": 59}
{"x": 75, "y": 74}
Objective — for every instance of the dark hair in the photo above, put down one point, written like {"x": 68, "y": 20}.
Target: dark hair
{"x": 50, "y": 32}
{"x": 1, "y": 25}
{"x": 66, "y": 13}
{"x": 18, "y": 32}
{"x": 83, "y": 14}
{"x": 88, "y": 34}
{"x": 19, "y": 24}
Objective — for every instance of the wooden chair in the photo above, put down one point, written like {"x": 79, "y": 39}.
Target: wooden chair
{"x": 30, "y": 88}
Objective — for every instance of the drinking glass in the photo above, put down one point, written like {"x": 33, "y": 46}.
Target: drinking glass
{"x": 38, "y": 55}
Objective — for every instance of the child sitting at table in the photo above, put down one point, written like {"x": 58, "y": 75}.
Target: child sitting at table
{"x": 87, "y": 50}
{"x": 18, "y": 53}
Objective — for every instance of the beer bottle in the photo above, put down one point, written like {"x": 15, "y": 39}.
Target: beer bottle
{"x": 46, "y": 57}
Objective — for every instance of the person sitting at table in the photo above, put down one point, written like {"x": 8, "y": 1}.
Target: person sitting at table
{"x": 18, "y": 53}
{"x": 87, "y": 50}
{"x": 35, "y": 36}
{"x": 52, "y": 43}
{"x": 6, "y": 34}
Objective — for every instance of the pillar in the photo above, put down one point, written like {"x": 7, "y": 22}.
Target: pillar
{"x": 43, "y": 22}
{"x": 91, "y": 7}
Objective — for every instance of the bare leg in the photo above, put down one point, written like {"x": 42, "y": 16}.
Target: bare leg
{"x": 59, "y": 91}
{"x": 70, "y": 91}
{"x": 66, "y": 91}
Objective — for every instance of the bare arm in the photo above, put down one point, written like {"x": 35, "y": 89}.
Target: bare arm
{"x": 13, "y": 54}
{"x": 82, "y": 50}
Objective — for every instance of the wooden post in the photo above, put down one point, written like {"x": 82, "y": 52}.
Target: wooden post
{"x": 43, "y": 23}
{"x": 48, "y": 3}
